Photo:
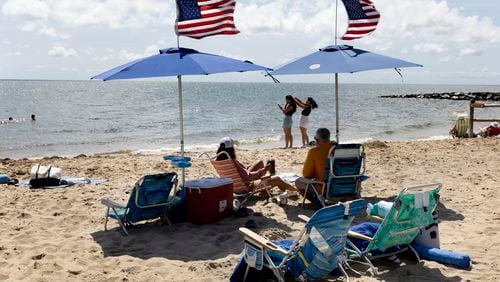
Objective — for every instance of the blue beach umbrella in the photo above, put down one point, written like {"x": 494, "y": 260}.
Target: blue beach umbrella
{"x": 178, "y": 62}
{"x": 340, "y": 59}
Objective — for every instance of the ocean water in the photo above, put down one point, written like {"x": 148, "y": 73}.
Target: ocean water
{"x": 75, "y": 117}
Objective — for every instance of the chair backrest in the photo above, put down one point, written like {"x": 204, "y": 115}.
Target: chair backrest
{"x": 411, "y": 211}
{"x": 227, "y": 169}
{"x": 461, "y": 127}
{"x": 324, "y": 240}
{"x": 344, "y": 165}
{"x": 150, "y": 196}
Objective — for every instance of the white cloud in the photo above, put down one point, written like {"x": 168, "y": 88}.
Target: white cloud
{"x": 10, "y": 54}
{"x": 107, "y": 13}
{"x": 41, "y": 28}
{"x": 129, "y": 56}
{"x": 29, "y": 8}
{"x": 70, "y": 69}
{"x": 281, "y": 16}
{"x": 61, "y": 51}
{"x": 470, "y": 51}
{"x": 433, "y": 48}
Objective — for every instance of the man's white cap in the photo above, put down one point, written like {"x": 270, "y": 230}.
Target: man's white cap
{"x": 228, "y": 142}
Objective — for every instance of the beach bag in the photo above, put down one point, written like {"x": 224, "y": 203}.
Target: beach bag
{"x": 42, "y": 176}
{"x": 4, "y": 179}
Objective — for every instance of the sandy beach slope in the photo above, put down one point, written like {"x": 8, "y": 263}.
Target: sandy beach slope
{"x": 58, "y": 234}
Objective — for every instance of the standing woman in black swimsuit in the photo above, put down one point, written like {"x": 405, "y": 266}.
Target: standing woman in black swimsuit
{"x": 304, "y": 117}
{"x": 288, "y": 110}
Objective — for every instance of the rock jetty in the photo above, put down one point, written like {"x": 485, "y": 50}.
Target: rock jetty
{"x": 478, "y": 96}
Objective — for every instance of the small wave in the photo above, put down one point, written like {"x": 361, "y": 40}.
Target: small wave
{"x": 389, "y": 132}
{"x": 260, "y": 140}
{"x": 153, "y": 151}
{"x": 165, "y": 150}
{"x": 417, "y": 126}
{"x": 112, "y": 130}
{"x": 66, "y": 131}
{"x": 359, "y": 140}
{"x": 437, "y": 137}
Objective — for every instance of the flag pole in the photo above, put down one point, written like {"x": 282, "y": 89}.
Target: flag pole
{"x": 181, "y": 117}
{"x": 336, "y": 81}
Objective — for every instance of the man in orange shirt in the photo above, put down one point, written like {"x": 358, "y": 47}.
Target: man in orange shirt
{"x": 314, "y": 166}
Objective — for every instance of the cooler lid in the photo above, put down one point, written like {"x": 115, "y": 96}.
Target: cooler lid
{"x": 208, "y": 182}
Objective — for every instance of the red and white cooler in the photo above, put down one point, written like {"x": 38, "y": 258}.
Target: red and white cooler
{"x": 208, "y": 199}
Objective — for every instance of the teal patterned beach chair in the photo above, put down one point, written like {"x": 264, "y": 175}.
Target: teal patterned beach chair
{"x": 344, "y": 172}
{"x": 318, "y": 250}
{"x": 148, "y": 200}
{"x": 411, "y": 211}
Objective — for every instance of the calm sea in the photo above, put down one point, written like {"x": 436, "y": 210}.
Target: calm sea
{"x": 75, "y": 117}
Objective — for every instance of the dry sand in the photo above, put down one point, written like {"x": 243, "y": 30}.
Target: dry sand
{"x": 58, "y": 234}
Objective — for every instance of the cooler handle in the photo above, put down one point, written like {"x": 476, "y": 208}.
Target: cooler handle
{"x": 197, "y": 188}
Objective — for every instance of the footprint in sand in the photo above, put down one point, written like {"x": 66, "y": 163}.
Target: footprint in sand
{"x": 24, "y": 215}
{"x": 38, "y": 257}
{"x": 274, "y": 234}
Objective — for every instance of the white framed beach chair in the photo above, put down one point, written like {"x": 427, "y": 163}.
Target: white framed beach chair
{"x": 318, "y": 250}
{"x": 344, "y": 172}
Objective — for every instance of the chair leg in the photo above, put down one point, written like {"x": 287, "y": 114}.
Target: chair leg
{"x": 343, "y": 272}
{"x": 122, "y": 225}
{"x": 364, "y": 257}
{"x": 106, "y": 220}
{"x": 166, "y": 219}
{"x": 414, "y": 252}
{"x": 246, "y": 273}
{"x": 242, "y": 203}
{"x": 304, "y": 198}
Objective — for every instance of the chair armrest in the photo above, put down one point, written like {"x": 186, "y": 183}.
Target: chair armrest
{"x": 266, "y": 177}
{"x": 304, "y": 218}
{"x": 261, "y": 241}
{"x": 311, "y": 181}
{"x": 112, "y": 204}
{"x": 204, "y": 156}
{"x": 375, "y": 217}
{"x": 358, "y": 235}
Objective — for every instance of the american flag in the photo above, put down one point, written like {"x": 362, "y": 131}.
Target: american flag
{"x": 363, "y": 18}
{"x": 201, "y": 18}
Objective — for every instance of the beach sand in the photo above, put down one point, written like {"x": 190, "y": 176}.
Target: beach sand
{"x": 58, "y": 234}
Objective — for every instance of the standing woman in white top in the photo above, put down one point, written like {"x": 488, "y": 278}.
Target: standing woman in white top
{"x": 289, "y": 109}
{"x": 304, "y": 117}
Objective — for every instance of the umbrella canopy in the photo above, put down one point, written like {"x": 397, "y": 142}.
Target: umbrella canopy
{"x": 340, "y": 59}
{"x": 179, "y": 62}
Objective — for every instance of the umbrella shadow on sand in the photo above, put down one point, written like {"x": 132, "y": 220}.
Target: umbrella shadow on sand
{"x": 185, "y": 241}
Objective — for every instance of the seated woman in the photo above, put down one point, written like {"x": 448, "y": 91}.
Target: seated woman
{"x": 491, "y": 130}
{"x": 253, "y": 172}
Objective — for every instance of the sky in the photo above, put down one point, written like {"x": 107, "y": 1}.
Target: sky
{"x": 456, "y": 41}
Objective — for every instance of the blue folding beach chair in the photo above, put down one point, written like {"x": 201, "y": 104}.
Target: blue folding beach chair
{"x": 149, "y": 199}
{"x": 318, "y": 250}
{"x": 344, "y": 172}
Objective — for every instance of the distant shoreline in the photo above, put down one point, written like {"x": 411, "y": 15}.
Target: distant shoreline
{"x": 193, "y": 79}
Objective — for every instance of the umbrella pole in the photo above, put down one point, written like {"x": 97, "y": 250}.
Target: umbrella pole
{"x": 337, "y": 107}
{"x": 181, "y": 124}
